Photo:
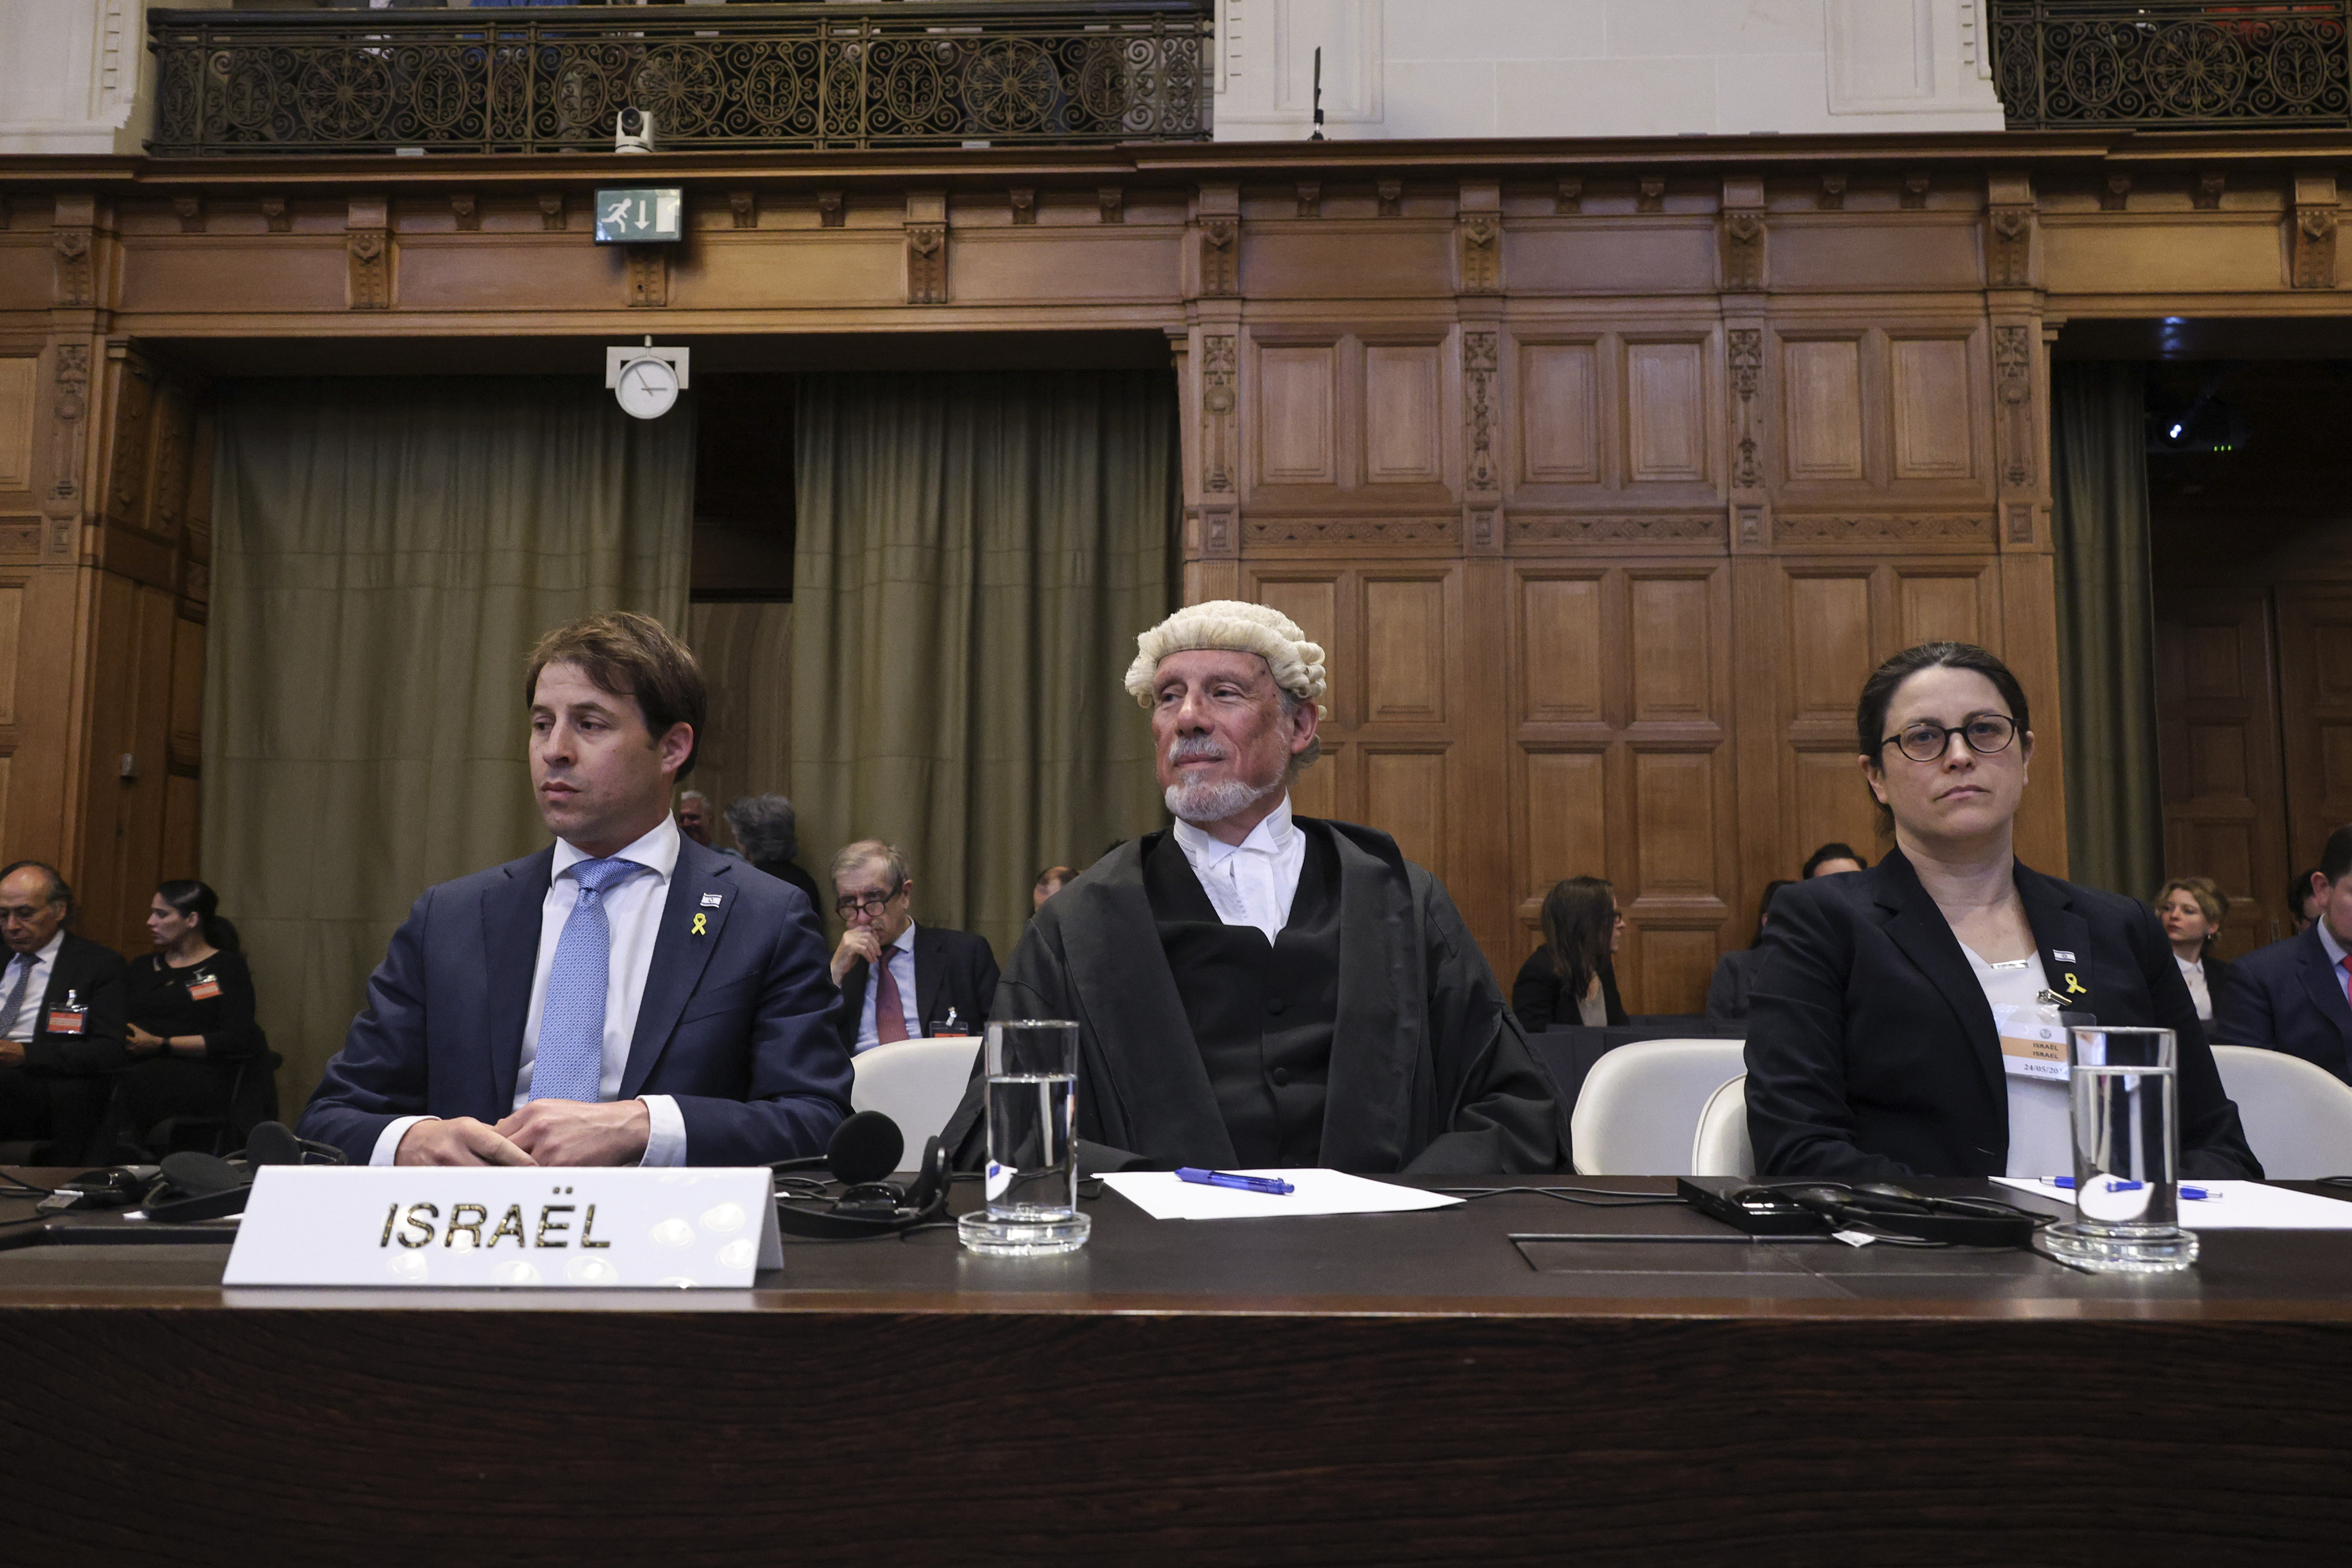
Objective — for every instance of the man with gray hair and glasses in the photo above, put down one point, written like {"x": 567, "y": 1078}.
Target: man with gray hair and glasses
{"x": 900, "y": 980}
{"x": 1257, "y": 989}
{"x": 61, "y": 1018}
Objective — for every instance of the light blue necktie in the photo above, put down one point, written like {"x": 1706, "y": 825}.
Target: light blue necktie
{"x": 570, "y": 1060}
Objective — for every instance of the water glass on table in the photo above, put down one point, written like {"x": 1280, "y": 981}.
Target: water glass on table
{"x": 2125, "y": 1087}
{"x": 1032, "y": 1066}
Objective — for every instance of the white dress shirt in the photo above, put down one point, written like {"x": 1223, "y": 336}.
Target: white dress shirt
{"x": 633, "y": 913}
{"x": 1250, "y": 883}
{"x": 26, "y": 1023}
{"x": 2040, "y": 1119}
{"x": 2193, "y": 971}
{"x": 902, "y": 966}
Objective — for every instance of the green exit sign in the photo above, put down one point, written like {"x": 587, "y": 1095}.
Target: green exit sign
{"x": 636, "y": 216}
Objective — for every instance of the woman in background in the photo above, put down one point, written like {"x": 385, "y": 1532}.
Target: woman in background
{"x": 1570, "y": 979}
{"x": 1726, "y": 993}
{"x": 190, "y": 1009}
{"x": 2191, "y": 908}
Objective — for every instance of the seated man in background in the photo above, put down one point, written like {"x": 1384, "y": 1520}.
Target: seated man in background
{"x": 937, "y": 981}
{"x": 1831, "y": 859}
{"x": 1050, "y": 881}
{"x": 1255, "y": 989}
{"x": 2290, "y": 997}
{"x": 2302, "y": 901}
{"x": 623, "y": 997}
{"x": 694, "y": 821}
{"x": 61, "y": 1024}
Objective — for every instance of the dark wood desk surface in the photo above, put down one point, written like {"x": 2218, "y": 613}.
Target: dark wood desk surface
{"x": 1439, "y": 1386}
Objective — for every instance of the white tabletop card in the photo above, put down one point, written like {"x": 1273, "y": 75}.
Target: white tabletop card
{"x": 2230, "y": 1205}
{"x": 1164, "y": 1195}
{"x": 555, "y": 1226}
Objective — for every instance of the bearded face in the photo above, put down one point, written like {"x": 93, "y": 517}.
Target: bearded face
{"x": 1224, "y": 738}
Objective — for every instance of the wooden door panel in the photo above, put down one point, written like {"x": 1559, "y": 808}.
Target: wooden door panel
{"x": 1568, "y": 821}
{"x": 1402, "y": 393}
{"x": 1829, "y": 642}
{"x": 1939, "y": 607}
{"x": 1297, "y": 390}
{"x": 11, "y": 620}
{"x": 1934, "y": 430}
{"x": 1670, "y": 969}
{"x": 1560, "y": 403}
{"x": 1822, "y": 404}
{"x": 2218, "y": 741}
{"x": 2314, "y": 654}
{"x": 17, "y": 395}
{"x": 1559, "y": 649}
{"x": 1405, "y": 796}
{"x": 1666, "y": 417}
{"x": 1670, "y": 618}
{"x": 1405, "y": 649}
{"x": 1673, "y": 822}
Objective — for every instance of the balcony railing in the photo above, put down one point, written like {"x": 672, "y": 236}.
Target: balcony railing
{"x": 2173, "y": 64}
{"x": 809, "y": 75}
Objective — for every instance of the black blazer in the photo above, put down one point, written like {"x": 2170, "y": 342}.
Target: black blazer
{"x": 1871, "y": 1049}
{"x": 98, "y": 979}
{"x": 1727, "y": 988}
{"x": 952, "y": 968}
{"x": 790, "y": 872}
{"x": 2287, "y": 997}
{"x": 1536, "y": 1000}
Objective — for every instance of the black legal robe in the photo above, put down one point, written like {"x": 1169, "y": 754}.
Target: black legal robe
{"x": 1425, "y": 1070}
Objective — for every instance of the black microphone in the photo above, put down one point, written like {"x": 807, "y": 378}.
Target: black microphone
{"x": 864, "y": 1148}
{"x": 272, "y": 1143}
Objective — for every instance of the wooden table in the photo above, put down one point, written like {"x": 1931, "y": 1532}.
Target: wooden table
{"x": 1419, "y": 1388}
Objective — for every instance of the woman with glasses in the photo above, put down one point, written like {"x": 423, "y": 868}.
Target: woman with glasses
{"x": 1572, "y": 979}
{"x": 1903, "y": 1018}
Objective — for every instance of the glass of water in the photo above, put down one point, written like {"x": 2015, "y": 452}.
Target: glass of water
{"x": 2126, "y": 1116}
{"x": 1033, "y": 1167}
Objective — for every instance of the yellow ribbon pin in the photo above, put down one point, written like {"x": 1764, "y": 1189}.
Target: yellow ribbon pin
{"x": 702, "y": 928}
{"x": 2075, "y": 987}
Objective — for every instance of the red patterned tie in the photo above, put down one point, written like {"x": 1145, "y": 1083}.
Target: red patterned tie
{"x": 889, "y": 1013}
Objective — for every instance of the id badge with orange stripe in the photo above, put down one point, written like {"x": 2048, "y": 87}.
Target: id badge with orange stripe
{"x": 2032, "y": 1043}
{"x": 203, "y": 988}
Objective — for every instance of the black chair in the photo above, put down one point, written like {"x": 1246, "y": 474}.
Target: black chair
{"x": 252, "y": 1100}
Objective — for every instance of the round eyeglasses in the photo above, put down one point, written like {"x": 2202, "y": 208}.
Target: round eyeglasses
{"x": 869, "y": 906}
{"x": 1986, "y": 734}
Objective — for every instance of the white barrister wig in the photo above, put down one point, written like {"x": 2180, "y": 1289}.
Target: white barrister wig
{"x": 1233, "y": 626}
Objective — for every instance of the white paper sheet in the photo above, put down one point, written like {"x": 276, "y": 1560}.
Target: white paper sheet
{"x": 1163, "y": 1195}
{"x": 2241, "y": 1205}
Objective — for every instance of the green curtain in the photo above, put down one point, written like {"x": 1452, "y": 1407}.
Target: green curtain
{"x": 385, "y": 555}
{"x": 974, "y": 556}
{"x": 2107, "y": 646}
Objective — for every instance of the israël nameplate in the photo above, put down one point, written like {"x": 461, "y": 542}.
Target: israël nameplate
{"x": 560, "y": 1226}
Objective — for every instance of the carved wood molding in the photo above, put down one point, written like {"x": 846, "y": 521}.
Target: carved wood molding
{"x": 1219, "y": 540}
{"x": 1221, "y": 248}
{"x": 1747, "y": 348}
{"x": 1481, "y": 356}
{"x": 2311, "y": 232}
{"x": 648, "y": 275}
{"x": 927, "y": 247}
{"x": 1025, "y": 206}
{"x": 275, "y": 215}
{"x": 74, "y": 239}
{"x": 745, "y": 206}
{"x": 553, "y": 216}
{"x": 135, "y": 393}
{"x": 190, "y": 211}
{"x": 1482, "y": 252}
{"x": 1569, "y": 195}
{"x": 1743, "y": 250}
{"x": 1651, "y": 197}
{"x": 2206, "y": 196}
{"x": 1883, "y": 528}
{"x": 68, "y": 409}
{"x": 2021, "y": 522}
{"x": 1832, "y": 196}
{"x": 1310, "y": 198}
{"x": 1111, "y": 202}
{"x": 467, "y": 211}
{"x": 2012, "y": 364}
{"x": 1391, "y": 195}
{"x": 1218, "y": 401}
{"x": 2008, "y": 246}
{"x": 1272, "y": 531}
{"x": 829, "y": 211}
{"x": 1633, "y": 528}
{"x": 367, "y": 242}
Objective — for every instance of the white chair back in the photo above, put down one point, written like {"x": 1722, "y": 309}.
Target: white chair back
{"x": 1721, "y": 1147}
{"x": 1640, "y": 1103}
{"x": 916, "y": 1083}
{"x": 2298, "y": 1117}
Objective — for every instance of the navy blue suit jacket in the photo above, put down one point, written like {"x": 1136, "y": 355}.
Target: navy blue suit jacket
{"x": 2288, "y": 998}
{"x": 737, "y": 1022}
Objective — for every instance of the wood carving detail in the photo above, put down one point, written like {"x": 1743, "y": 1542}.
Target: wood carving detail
{"x": 135, "y": 411}
{"x": 1743, "y": 250}
{"x": 927, "y": 263}
{"x": 2206, "y": 197}
{"x": 829, "y": 213}
{"x": 75, "y": 285}
{"x": 1883, "y": 528}
{"x": 2020, "y": 522}
{"x": 369, "y": 267}
{"x": 1353, "y": 531}
{"x": 1482, "y": 528}
{"x": 1392, "y": 193}
{"x": 1310, "y": 198}
{"x": 467, "y": 211}
{"x": 1832, "y": 196}
{"x": 1751, "y": 524}
{"x": 1480, "y": 357}
{"x": 1217, "y": 534}
{"x": 275, "y": 215}
{"x": 1482, "y": 254}
{"x": 190, "y": 211}
{"x": 648, "y": 275}
{"x": 1217, "y": 405}
{"x": 1632, "y": 529}
{"x": 1025, "y": 206}
{"x": 2313, "y": 239}
{"x": 2008, "y": 246}
{"x": 70, "y": 407}
{"x": 2012, "y": 360}
{"x": 552, "y": 216}
{"x": 745, "y": 206}
{"x": 1652, "y": 196}
{"x": 1569, "y": 196}
{"x": 1112, "y": 201}
{"x": 1221, "y": 272}
{"x": 1747, "y": 345}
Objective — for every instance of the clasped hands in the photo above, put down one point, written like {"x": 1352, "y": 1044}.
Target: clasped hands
{"x": 543, "y": 1132}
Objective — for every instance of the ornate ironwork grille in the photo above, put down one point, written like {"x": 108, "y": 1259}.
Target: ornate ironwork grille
{"x": 911, "y": 73}
{"x": 2173, "y": 64}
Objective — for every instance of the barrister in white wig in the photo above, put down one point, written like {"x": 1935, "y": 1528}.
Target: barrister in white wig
{"x": 1257, "y": 989}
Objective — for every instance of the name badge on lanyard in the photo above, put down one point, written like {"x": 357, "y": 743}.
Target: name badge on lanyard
{"x": 203, "y": 988}
{"x": 2033, "y": 1041}
{"x": 69, "y": 1018}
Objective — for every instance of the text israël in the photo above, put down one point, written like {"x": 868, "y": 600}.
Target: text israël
{"x": 468, "y": 1220}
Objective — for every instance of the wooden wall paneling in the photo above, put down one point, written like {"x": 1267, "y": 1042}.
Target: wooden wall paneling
{"x": 1564, "y": 621}
{"x": 2029, "y": 646}
{"x": 2315, "y": 644}
{"x": 1669, "y": 415}
{"x": 1934, "y": 410}
{"x": 2218, "y": 751}
{"x": 19, "y": 377}
{"x": 1404, "y": 430}
{"x": 1320, "y": 601}
{"x": 1297, "y": 412}
{"x": 1822, "y": 408}
{"x": 1412, "y": 773}
{"x": 1558, "y": 394}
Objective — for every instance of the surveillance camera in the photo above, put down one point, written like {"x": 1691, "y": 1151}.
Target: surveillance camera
{"x": 633, "y": 132}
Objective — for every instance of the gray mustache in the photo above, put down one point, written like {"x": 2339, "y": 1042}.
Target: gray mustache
{"x": 1194, "y": 749}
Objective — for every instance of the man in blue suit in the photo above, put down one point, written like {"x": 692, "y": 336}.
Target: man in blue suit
{"x": 625, "y": 996}
{"x": 2291, "y": 995}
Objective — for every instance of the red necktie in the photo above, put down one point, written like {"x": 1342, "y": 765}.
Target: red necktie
{"x": 889, "y": 1014}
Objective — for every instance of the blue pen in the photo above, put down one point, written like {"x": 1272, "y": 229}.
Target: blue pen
{"x": 2195, "y": 1194}
{"x": 1271, "y": 1185}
